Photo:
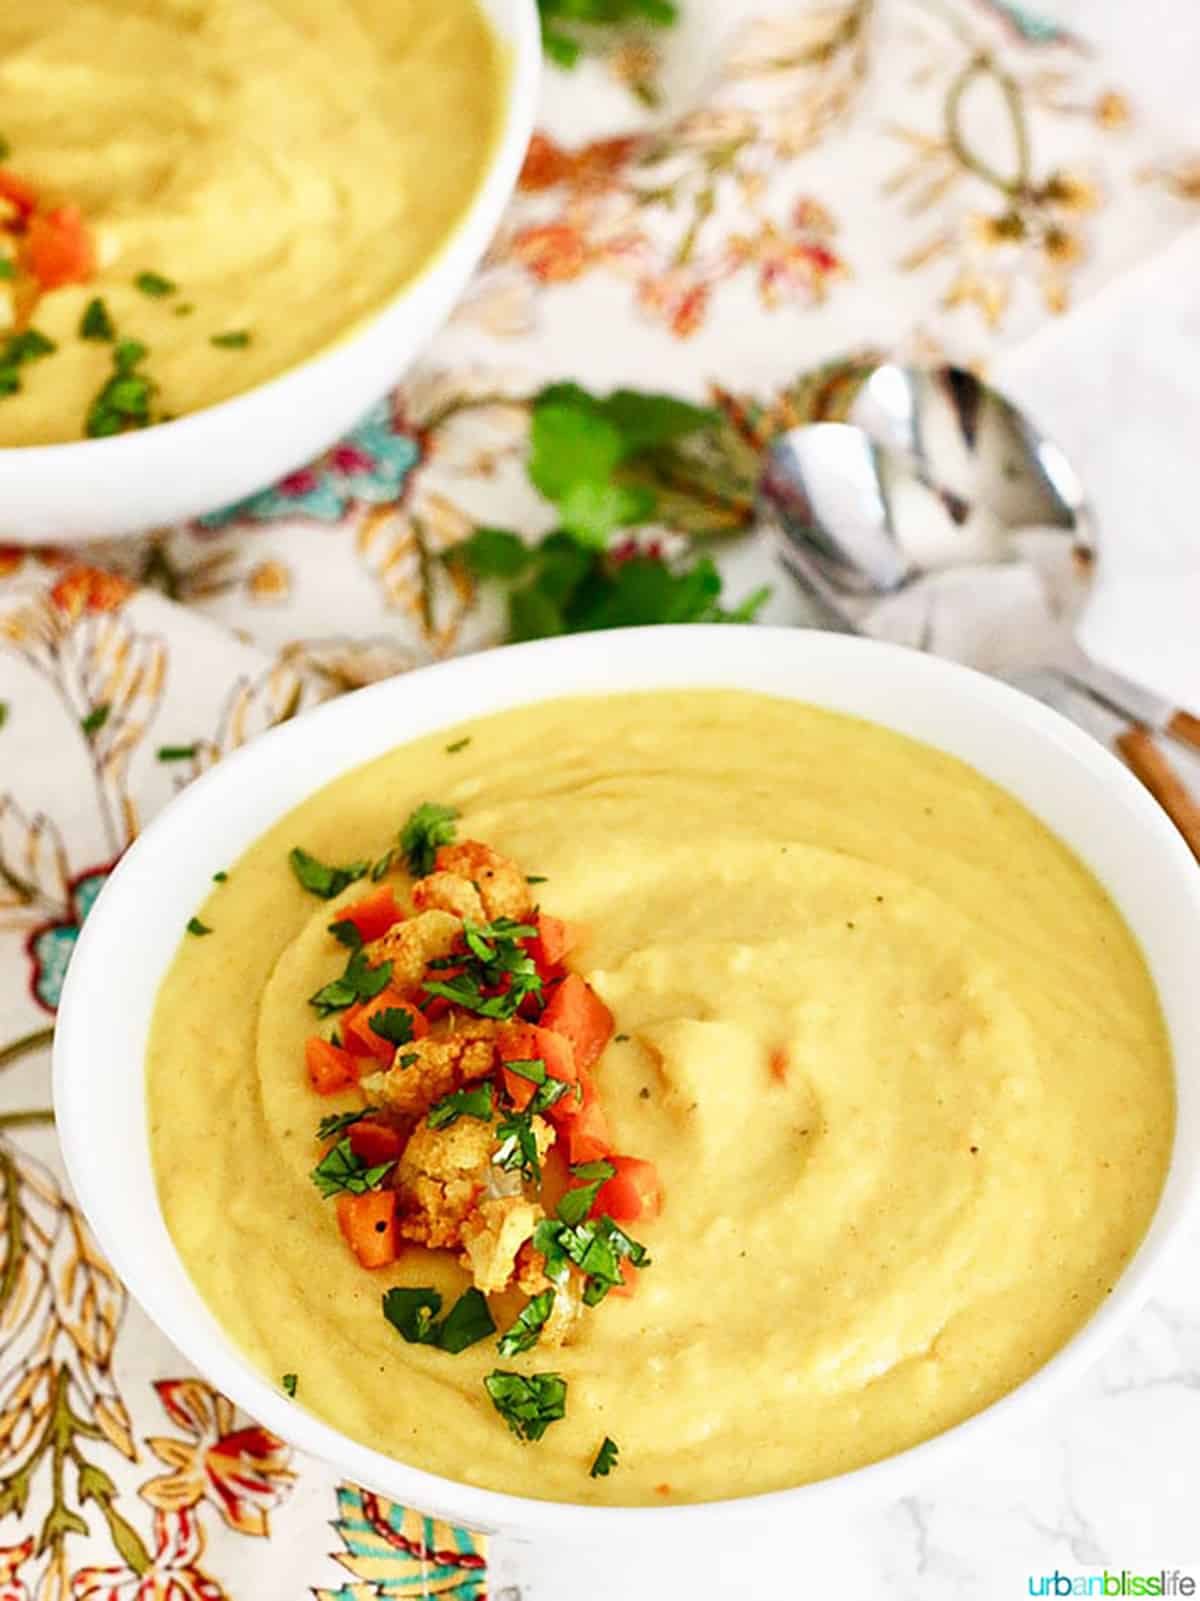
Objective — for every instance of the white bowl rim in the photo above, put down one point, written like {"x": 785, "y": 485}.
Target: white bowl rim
{"x": 495, "y": 185}
{"x": 693, "y": 655}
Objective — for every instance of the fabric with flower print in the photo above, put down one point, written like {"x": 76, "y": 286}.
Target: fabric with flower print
{"x": 744, "y": 210}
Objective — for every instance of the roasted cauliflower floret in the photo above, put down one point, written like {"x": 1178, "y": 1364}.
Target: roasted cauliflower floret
{"x": 500, "y": 883}
{"x": 440, "y": 1178}
{"x": 410, "y": 946}
{"x": 447, "y": 892}
{"x": 443, "y": 1062}
{"x": 492, "y": 1234}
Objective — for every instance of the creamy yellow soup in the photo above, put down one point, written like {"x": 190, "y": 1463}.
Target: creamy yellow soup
{"x": 287, "y": 164}
{"x": 963, "y": 1153}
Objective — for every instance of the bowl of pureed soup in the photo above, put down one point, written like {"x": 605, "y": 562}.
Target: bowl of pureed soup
{"x": 237, "y": 227}
{"x": 684, "y": 1073}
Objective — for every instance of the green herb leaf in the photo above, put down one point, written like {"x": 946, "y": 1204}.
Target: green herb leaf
{"x": 564, "y": 48}
{"x": 595, "y": 1247}
{"x": 533, "y": 1070}
{"x": 577, "y": 1203}
{"x": 477, "y": 1101}
{"x": 124, "y": 401}
{"x": 96, "y": 719}
{"x": 459, "y": 744}
{"x": 337, "y": 1123}
{"x": 176, "y": 753}
{"x": 494, "y": 553}
{"x": 360, "y": 982}
{"x": 535, "y": 878}
{"x": 383, "y": 866}
{"x": 428, "y": 828}
{"x": 289, "y": 1382}
{"x": 235, "y": 339}
{"x": 606, "y": 1459}
{"x": 154, "y": 285}
{"x": 195, "y": 926}
{"x": 528, "y": 1403}
{"x": 5, "y": 148}
{"x": 347, "y": 933}
{"x": 96, "y": 322}
{"x": 220, "y": 878}
{"x": 517, "y": 1150}
{"x": 526, "y": 1330}
{"x": 318, "y": 879}
{"x": 495, "y": 958}
{"x": 407, "y": 1060}
{"x": 340, "y": 1172}
{"x": 394, "y": 1025}
{"x": 8, "y": 268}
{"x": 467, "y": 1322}
{"x": 16, "y": 351}
{"x": 411, "y": 1313}
{"x": 3, "y": 712}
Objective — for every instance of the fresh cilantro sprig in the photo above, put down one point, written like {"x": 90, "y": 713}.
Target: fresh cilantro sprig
{"x": 596, "y": 1247}
{"x": 526, "y": 1328}
{"x": 289, "y": 1382}
{"x": 428, "y": 828}
{"x": 477, "y": 1102}
{"x": 497, "y": 971}
{"x": 393, "y": 1024}
{"x": 606, "y": 1459}
{"x": 318, "y": 878}
{"x": 560, "y": 18}
{"x": 360, "y": 982}
{"x": 340, "y": 1172}
{"x": 337, "y": 1122}
{"x": 528, "y": 1403}
{"x": 576, "y": 1203}
{"x": 517, "y": 1151}
{"x": 125, "y": 400}
{"x": 413, "y": 1314}
{"x": 16, "y": 351}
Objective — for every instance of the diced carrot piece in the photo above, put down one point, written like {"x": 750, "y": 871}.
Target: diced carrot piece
{"x": 584, "y": 1123}
{"x": 550, "y": 946}
{"x": 58, "y": 247}
{"x": 375, "y": 1143}
{"x": 329, "y": 1068}
{"x": 578, "y": 1012}
{"x": 633, "y": 1192}
{"x": 20, "y": 194}
{"x": 779, "y": 1064}
{"x": 368, "y": 1225}
{"x": 629, "y": 1278}
{"x": 361, "y": 1039}
{"x": 374, "y": 914}
{"x": 529, "y": 1042}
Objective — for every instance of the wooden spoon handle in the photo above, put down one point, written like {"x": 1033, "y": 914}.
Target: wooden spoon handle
{"x": 1145, "y": 759}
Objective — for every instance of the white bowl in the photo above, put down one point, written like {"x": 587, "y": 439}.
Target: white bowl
{"x": 131, "y": 935}
{"x": 100, "y": 488}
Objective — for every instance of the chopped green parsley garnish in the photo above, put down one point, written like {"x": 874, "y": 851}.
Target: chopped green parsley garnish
{"x": 606, "y": 1459}
{"x": 382, "y": 866}
{"x": 176, "y": 753}
{"x": 219, "y": 878}
{"x": 347, "y": 933}
{"x": 124, "y": 401}
{"x": 535, "y": 878}
{"x": 16, "y": 351}
{"x": 96, "y": 322}
{"x": 318, "y": 879}
{"x": 96, "y": 718}
{"x": 526, "y": 1329}
{"x": 360, "y": 982}
{"x": 407, "y": 1059}
{"x": 195, "y": 926}
{"x": 429, "y": 827}
{"x": 7, "y": 267}
{"x": 577, "y": 1203}
{"x": 154, "y": 285}
{"x": 459, "y": 744}
{"x": 235, "y": 339}
{"x": 289, "y": 1384}
{"x": 340, "y": 1172}
{"x": 413, "y": 1313}
{"x": 394, "y": 1025}
{"x": 595, "y": 1247}
{"x": 475, "y": 1102}
{"x": 498, "y": 972}
{"x": 3, "y": 712}
{"x": 528, "y": 1403}
{"x": 337, "y": 1123}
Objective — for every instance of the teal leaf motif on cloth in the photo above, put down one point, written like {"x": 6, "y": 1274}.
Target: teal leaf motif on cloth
{"x": 394, "y": 1552}
{"x": 52, "y": 946}
{"x": 371, "y": 466}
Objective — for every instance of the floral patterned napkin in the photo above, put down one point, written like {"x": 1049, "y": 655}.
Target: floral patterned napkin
{"x": 711, "y": 212}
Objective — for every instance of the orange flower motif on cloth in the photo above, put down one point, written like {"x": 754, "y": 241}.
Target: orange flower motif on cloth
{"x": 171, "y": 1576}
{"x": 88, "y": 589}
{"x": 242, "y": 1472}
{"x": 12, "y": 1559}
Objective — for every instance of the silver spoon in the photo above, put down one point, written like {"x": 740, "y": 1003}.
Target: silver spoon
{"x": 856, "y": 521}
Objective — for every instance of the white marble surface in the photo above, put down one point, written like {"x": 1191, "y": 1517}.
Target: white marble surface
{"x": 1110, "y": 1476}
